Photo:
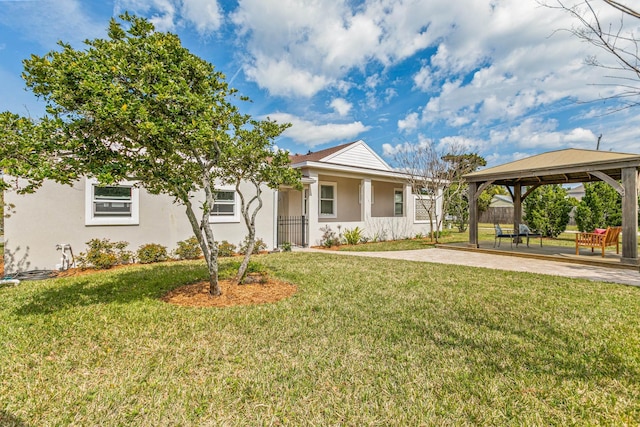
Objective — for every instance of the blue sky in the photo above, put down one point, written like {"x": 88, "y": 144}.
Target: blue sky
{"x": 493, "y": 76}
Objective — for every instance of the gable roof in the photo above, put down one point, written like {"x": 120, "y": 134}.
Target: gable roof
{"x": 318, "y": 155}
{"x": 556, "y": 167}
{"x": 354, "y": 154}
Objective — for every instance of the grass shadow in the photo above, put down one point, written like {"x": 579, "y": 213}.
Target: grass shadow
{"x": 123, "y": 286}
{"x": 8, "y": 420}
{"x": 120, "y": 286}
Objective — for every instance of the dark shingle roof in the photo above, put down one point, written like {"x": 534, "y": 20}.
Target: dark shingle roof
{"x": 318, "y": 155}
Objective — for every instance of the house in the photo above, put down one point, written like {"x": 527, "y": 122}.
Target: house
{"x": 576, "y": 192}
{"x": 344, "y": 187}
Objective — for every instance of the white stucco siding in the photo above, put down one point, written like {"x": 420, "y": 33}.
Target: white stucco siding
{"x": 56, "y": 214}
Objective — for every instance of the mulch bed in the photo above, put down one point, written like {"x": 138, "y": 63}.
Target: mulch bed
{"x": 197, "y": 294}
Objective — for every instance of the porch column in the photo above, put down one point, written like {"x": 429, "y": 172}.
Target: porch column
{"x": 314, "y": 209}
{"x": 365, "y": 197}
{"x": 473, "y": 215}
{"x": 409, "y": 204}
{"x": 630, "y": 216}
{"x": 517, "y": 209}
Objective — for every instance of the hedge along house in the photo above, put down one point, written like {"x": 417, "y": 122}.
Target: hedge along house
{"x": 350, "y": 186}
{"x": 344, "y": 186}
{"x": 521, "y": 177}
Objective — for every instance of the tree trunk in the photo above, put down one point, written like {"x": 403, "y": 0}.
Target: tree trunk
{"x": 250, "y": 222}
{"x": 242, "y": 271}
{"x": 210, "y": 251}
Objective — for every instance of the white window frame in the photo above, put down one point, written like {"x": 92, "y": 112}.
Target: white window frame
{"x": 215, "y": 218}
{"x": 335, "y": 199}
{"x": 401, "y": 191}
{"x": 91, "y": 219}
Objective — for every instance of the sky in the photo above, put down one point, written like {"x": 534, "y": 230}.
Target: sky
{"x": 501, "y": 78}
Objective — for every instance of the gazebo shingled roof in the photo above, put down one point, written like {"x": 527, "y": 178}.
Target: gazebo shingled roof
{"x": 558, "y": 167}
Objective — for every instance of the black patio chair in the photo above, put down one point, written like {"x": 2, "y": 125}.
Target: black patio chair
{"x": 525, "y": 231}
{"x": 500, "y": 233}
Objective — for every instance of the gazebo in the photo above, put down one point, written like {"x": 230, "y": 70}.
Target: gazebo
{"x": 620, "y": 170}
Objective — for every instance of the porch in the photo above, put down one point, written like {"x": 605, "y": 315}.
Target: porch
{"x": 383, "y": 207}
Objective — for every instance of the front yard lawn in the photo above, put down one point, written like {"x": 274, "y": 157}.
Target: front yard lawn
{"x": 362, "y": 342}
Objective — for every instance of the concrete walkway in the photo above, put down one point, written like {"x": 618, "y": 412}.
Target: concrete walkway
{"x": 504, "y": 262}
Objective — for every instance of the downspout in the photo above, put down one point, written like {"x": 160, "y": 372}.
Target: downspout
{"x": 275, "y": 218}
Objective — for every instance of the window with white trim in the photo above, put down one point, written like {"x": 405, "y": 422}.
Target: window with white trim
{"x": 398, "y": 202}
{"x": 111, "y": 204}
{"x": 328, "y": 199}
{"x": 225, "y": 207}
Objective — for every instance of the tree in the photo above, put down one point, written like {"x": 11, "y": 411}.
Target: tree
{"x": 547, "y": 209}
{"x": 26, "y": 152}
{"x": 437, "y": 175}
{"x": 457, "y": 192}
{"x": 620, "y": 43}
{"x": 251, "y": 160}
{"x": 459, "y": 205}
{"x": 600, "y": 207}
{"x": 139, "y": 106}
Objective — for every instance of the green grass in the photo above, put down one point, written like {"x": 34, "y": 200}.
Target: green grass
{"x": 363, "y": 342}
{"x": 390, "y": 245}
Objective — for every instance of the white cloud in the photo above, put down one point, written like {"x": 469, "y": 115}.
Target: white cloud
{"x": 423, "y": 79}
{"x": 460, "y": 144}
{"x": 389, "y": 94}
{"x": 341, "y": 106}
{"x": 310, "y": 133}
{"x": 389, "y": 150}
{"x": 409, "y": 123}
{"x": 537, "y": 134}
{"x": 282, "y": 78}
{"x": 516, "y": 64}
{"x": 329, "y": 38}
{"x": 204, "y": 15}
{"x": 162, "y": 13}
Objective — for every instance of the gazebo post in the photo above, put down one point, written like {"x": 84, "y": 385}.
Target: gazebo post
{"x": 473, "y": 214}
{"x": 517, "y": 209}
{"x": 630, "y": 216}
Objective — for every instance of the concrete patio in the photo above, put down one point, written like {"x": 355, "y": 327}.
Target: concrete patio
{"x": 548, "y": 251}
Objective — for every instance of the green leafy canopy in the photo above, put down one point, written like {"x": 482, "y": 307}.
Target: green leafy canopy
{"x": 139, "y": 106}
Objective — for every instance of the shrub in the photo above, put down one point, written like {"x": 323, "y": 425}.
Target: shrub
{"x": 547, "y": 209}
{"x": 188, "y": 249}
{"x": 329, "y": 237}
{"x": 354, "y": 236}
{"x": 380, "y": 236}
{"x": 103, "y": 254}
{"x": 124, "y": 256}
{"x": 601, "y": 207}
{"x": 258, "y": 247}
{"x": 151, "y": 252}
{"x": 286, "y": 246}
{"x": 226, "y": 249}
